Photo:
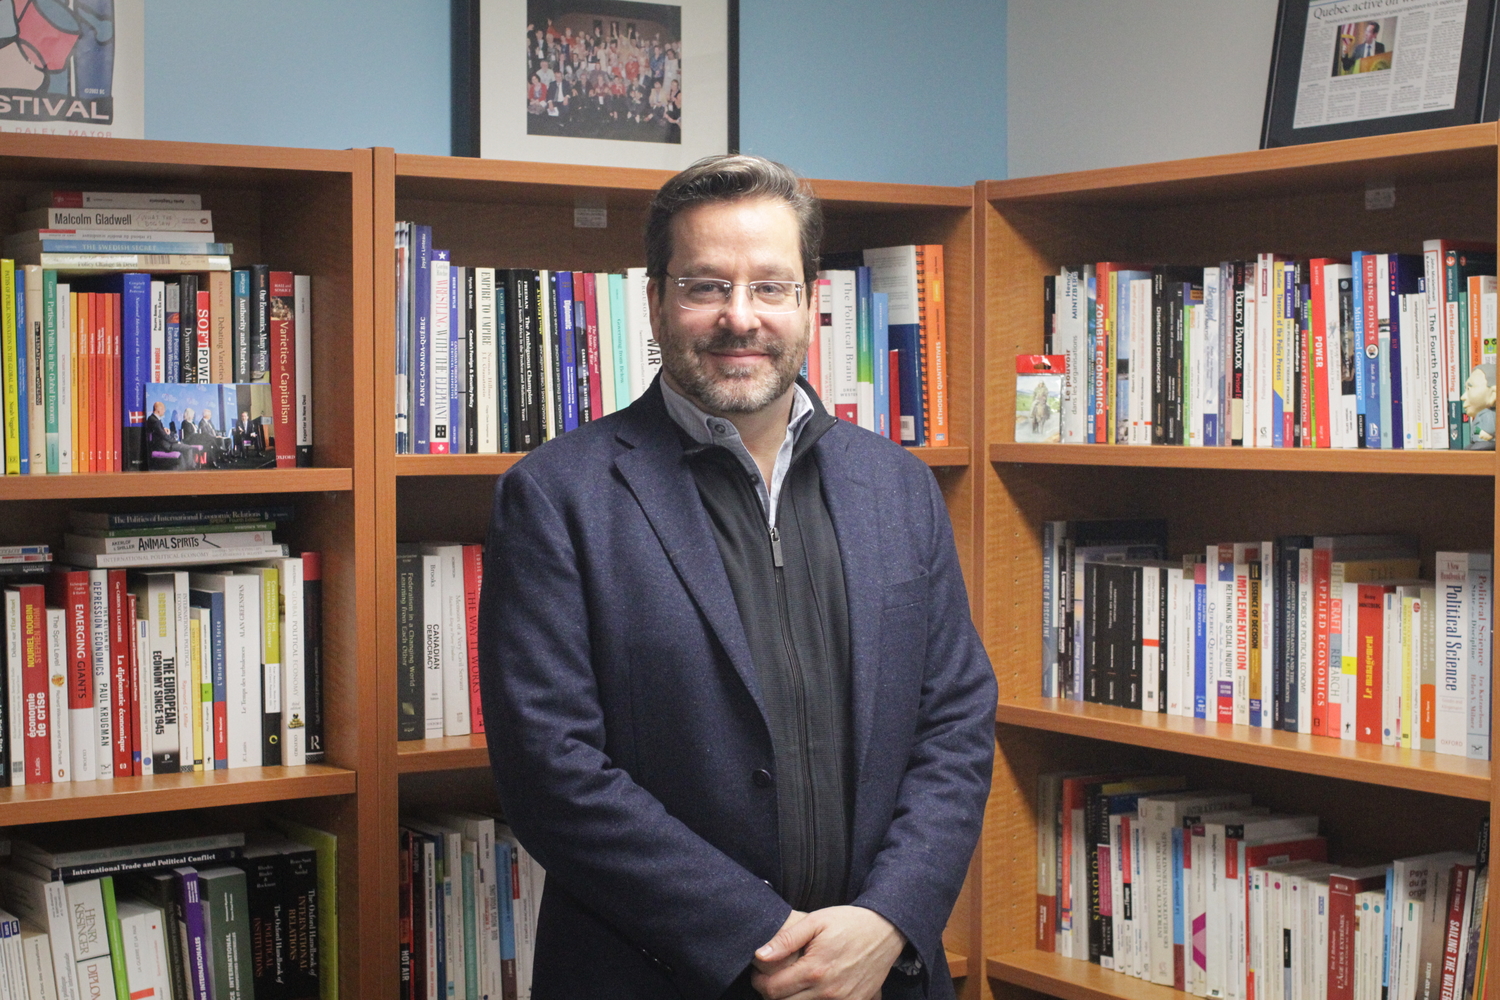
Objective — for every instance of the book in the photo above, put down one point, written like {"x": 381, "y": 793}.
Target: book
{"x": 227, "y": 928}
{"x": 325, "y": 846}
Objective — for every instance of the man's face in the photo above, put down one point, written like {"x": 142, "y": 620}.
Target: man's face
{"x": 735, "y": 359}
{"x": 158, "y": 409}
{"x": 1370, "y": 32}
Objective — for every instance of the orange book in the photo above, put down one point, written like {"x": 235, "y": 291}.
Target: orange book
{"x": 937, "y": 348}
{"x": 76, "y": 381}
{"x": 114, "y": 414}
{"x": 92, "y": 398}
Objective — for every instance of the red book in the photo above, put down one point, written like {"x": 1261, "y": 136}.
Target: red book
{"x": 1322, "y": 568}
{"x": 404, "y": 910}
{"x": 113, "y": 392}
{"x": 473, "y": 578}
{"x": 1321, "y": 419}
{"x": 1343, "y": 886}
{"x": 1368, "y": 725}
{"x": 35, "y": 739}
{"x": 202, "y": 332}
{"x": 133, "y": 654}
{"x": 1460, "y": 884}
{"x": 895, "y": 396}
{"x": 591, "y": 334}
{"x": 283, "y": 370}
{"x": 121, "y": 672}
{"x": 69, "y": 590}
{"x": 98, "y": 392}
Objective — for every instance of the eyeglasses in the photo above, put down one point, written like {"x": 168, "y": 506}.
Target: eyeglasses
{"x": 713, "y": 294}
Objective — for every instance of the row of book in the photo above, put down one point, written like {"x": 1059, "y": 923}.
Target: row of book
{"x": 1207, "y": 893}
{"x": 497, "y": 360}
{"x": 469, "y": 895}
{"x": 101, "y": 231}
{"x": 85, "y": 360}
{"x": 196, "y": 918}
{"x": 211, "y": 658}
{"x": 1330, "y": 635}
{"x": 437, "y": 651}
{"x": 1382, "y": 350}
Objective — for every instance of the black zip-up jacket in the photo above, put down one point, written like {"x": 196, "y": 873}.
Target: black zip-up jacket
{"x": 788, "y": 584}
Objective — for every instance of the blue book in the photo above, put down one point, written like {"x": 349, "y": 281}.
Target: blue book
{"x": 1179, "y": 936}
{"x": 456, "y": 366}
{"x": 568, "y": 350}
{"x": 864, "y": 350}
{"x": 1200, "y": 644}
{"x": 880, "y": 313}
{"x": 1383, "y": 338}
{"x": 133, "y": 246}
{"x": 239, "y": 324}
{"x": 1406, "y": 278}
{"x": 502, "y": 369}
{"x": 1376, "y": 407}
{"x": 213, "y": 602}
{"x": 1385, "y": 950}
{"x": 505, "y": 859}
{"x": 905, "y": 338}
{"x": 421, "y": 348}
{"x": 23, "y": 368}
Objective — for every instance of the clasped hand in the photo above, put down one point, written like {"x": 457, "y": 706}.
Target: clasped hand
{"x": 837, "y": 953}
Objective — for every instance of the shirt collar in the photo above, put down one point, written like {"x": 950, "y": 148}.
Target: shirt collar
{"x": 705, "y": 428}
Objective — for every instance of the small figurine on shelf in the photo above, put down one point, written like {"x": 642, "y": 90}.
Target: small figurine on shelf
{"x": 1479, "y": 407}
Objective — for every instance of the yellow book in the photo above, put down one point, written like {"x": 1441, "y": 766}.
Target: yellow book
{"x": 78, "y": 340}
{"x": 192, "y": 747}
{"x": 1408, "y": 600}
{"x": 8, "y": 360}
{"x": 1279, "y": 343}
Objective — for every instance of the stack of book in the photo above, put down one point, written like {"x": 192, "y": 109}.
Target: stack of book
{"x": 437, "y": 653}
{"x": 1382, "y": 350}
{"x": 1330, "y": 635}
{"x": 96, "y": 328}
{"x": 208, "y": 916}
{"x": 500, "y": 360}
{"x": 166, "y": 670}
{"x": 469, "y": 900}
{"x": 1210, "y": 894}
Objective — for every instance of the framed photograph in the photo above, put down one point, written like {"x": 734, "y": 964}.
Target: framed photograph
{"x": 1345, "y": 68}
{"x": 76, "y": 68}
{"x": 600, "y": 82}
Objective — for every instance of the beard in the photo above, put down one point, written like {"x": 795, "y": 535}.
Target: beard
{"x": 737, "y": 390}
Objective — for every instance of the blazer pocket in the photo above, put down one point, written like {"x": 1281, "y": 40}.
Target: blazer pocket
{"x": 905, "y": 593}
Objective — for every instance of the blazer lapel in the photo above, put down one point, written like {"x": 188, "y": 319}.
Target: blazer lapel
{"x": 663, "y": 485}
{"x": 852, "y": 507}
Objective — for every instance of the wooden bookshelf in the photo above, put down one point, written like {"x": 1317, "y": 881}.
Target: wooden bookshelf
{"x": 504, "y": 214}
{"x": 1304, "y": 201}
{"x": 303, "y": 210}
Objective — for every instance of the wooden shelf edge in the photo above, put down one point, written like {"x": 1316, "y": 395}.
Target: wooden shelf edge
{"x": 1417, "y": 770}
{"x": 958, "y": 965}
{"x": 1427, "y": 463}
{"x": 1072, "y": 979}
{"x": 450, "y": 753}
{"x": 84, "y": 485}
{"x": 953, "y": 456}
{"x": 52, "y": 803}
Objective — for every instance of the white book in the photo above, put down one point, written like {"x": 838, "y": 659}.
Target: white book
{"x": 453, "y": 639}
{"x": 1481, "y": 593}
{"x": 102, "y": 724}
{"x": 1213, "y": 347}
{"x": 303, "y": 334}
{"x": 432, "y": 646}
{"x": 36, "y": 373}
{"x": 486, "y": 363}
{"x": 438, "y": 319}
{"x": 36, "y": 952}
{"x": 143, "y": 682}
{"x": 137, "y": 560}
{"x": 156, "y": 603}
{"x": 1244, "y": 554}
{"x": 481, "y": 830}
{"x": 1317, "y": 939}
{"x": 1197, "y": 359}
{"x": 1139, "y": 913}
{"x": 1346, "y": 355}
{"x": 15, "y": 686}
{"x": 1248, "y": 353}
{"x": 1265, "y": 320}
{"x": 1454, "y": 642}
{"x": 1221, "y": 688}
{"x": 1179, "y": 613}
{"x": 88, "y": 923}
{"x": 845, "y": 340}
{"x": 1138, "y": 426}
{"x": 158, "y": 360}
{"x": 221, "y": 543}
{"x": 293, "y": 667}
{"x": 645, "y": 353}
{"x": 1409, "y": 308}
{"x": 96, "y": 977}
{"x": 1151, "y": 637}
{"x": 12, "y": 961}
{"x": 1434, "y": 274}
{"x": 59, "y": 736}
{"x": 45, "y": 904}
{"x": 67, "y": 346}
{"x": 1390, "y": 687}
{"x": 1069, "y": 337}
{"x": 142, "y": 935}
{"x": 242, "y": 659}
{"x": 182, "y": 619}
{"x": 1117, "y": 959}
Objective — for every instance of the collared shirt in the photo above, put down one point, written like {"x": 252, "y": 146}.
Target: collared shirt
{"x": 706, "y": 428}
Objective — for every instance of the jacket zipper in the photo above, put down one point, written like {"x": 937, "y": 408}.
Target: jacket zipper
{"x": 809, "y": 825}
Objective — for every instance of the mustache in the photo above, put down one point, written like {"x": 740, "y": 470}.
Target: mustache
{"x": 729, "y": 342}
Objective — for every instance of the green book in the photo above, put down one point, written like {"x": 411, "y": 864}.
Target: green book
{"x": 116, "y": 940}
{"x": 226, "y": 920}
{"x": 49, "y": 367}
{"x": 470, "y": 905}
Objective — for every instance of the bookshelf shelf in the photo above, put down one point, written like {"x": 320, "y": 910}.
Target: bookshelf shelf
{"x": 958, "y": 965}
{"x": 1426, "y": 463}
{"x": 1393, "y": 767}
{"x": 492, "y": 465}
{"x": 163, "y": 792}
{"x": 450, "y": 753}
{"x": 1072, "y": 978}
{"x": 174, "y": 484}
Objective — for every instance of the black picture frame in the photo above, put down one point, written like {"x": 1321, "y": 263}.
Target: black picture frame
{"x": 465, "y": 92}
{"x": 1478, "y": 91}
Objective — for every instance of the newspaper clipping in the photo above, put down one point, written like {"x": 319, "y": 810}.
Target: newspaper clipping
{"x": 1366, "y": 59}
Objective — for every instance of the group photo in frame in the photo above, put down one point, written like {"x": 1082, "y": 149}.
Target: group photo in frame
{"x": 1347, "y": 68}
{"x": 595, "y": 82}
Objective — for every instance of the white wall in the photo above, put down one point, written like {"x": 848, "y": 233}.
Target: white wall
{"x": 1103, "y": 83}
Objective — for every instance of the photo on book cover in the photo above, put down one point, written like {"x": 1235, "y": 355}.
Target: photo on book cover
{"x": 208, "y": 426}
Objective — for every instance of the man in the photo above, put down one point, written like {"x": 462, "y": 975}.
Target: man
{"x": 735, "y": 704}
{"x": 1350, "y": 54}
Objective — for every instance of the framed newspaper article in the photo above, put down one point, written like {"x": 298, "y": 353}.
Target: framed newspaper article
{"x": 1343, "y": 68}
{"x": 613, "y": 83}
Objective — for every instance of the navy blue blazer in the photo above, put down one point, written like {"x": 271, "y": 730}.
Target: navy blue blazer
{"x": 625, "y": 723}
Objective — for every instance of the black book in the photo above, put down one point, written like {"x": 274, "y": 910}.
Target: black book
{"x": 555, "y": 322}
{"x": 520, "y": 317}
{"x": 1166, "y": 352}
{"x": 471, "y": 370}
{"x": 503, "y": 340}
{"x": 262, "y": 866}
{"x": 1350, "y": 353}
{"x": 7, "y": 730}
{"x": 404, "y": 918}
{"x": 1243, "y": 275}
{"x": 312, "y": 653}
{"x": 410, "y": 712}
{"x": 1284, "y": 662}
{"x": 1164, "y": 638}
{"x": 581, "y": 352}
{"x": 260, "y": 322}
{"x": 1049, "y": 311}
{"x": 301, "y": 903}
{"x": 187, "y": 329}
{"x": 159, "y": 888}
{"x": 1094, "y": 637}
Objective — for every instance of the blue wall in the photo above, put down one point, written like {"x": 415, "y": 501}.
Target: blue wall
{"x": 876, "y": 90}
{"x": 881, "y": 90}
